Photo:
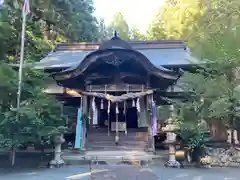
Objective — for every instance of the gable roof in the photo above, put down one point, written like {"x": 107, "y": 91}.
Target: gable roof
{"x": 160, "y": 53}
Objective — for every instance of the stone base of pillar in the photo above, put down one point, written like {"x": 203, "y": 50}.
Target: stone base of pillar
{"x": 56, "y": 163}
{"x": 116, "y": 140}
{"x": 150, "y": 150}
{"x": 173, "y": 164}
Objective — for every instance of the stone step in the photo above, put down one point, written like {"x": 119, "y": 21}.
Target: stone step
{"x": 109, "y": 157}
{"x": 118, "y": 144}
{"x": 113, "y": 138}
{"x": 113, "y": 135}
{"x": 114, "y": 148}
{"x": 123, "y": 132}
{"x": 111, "y": 148}
{"x": 113, "y": 142}
{"x": 105, "y": 130}
{"x": 102, "y": 143}
{"x": 131, "y": 141}
{"x": 92, "y": 140}
{"x": 120, "y": 133}
{"x": 94, "y": 137}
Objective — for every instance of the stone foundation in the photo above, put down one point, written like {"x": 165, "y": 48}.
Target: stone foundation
{"x": 225, "y": 157}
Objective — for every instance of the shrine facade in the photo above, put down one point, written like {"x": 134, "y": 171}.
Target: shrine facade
{"x": 115, "y": 87}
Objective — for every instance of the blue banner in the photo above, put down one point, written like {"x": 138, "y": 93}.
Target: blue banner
{"x": 154, "y": 119}
{"x": 79, "y": 130}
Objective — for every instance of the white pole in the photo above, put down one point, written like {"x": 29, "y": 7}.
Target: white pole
{"x": 20, "y": 71}
{"x": 20, "y": 68}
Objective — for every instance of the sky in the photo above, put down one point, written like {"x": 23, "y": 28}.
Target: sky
{"x": 137, "y": 13}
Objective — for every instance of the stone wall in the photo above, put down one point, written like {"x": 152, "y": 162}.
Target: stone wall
{"x": 225, "y": 157}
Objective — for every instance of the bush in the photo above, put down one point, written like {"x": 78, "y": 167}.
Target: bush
{"x": 194, "y": 138}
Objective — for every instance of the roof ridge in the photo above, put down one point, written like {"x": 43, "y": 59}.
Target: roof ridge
{"x": 149, "y": 44}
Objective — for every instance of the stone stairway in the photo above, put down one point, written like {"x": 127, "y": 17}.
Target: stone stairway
{"x": 134, "y": 140}
{"x": 101, "y": 149}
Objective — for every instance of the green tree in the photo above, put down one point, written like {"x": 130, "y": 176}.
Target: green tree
{"x": 176, "y": 19}
{"x": 155, "y": 29}
{"x": 120, "y": 25}
{"x": 49, "y": 23}
{"x": 72, "y": 19}
{"x": 39, "y": 114}
{"x": 103, "y": 31}
{"x": 212, "y": 30}
{"x": 135, "y": 34}
{"x": 216, "y": 43}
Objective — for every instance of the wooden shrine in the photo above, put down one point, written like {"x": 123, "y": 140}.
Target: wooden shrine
{"x": 117, "y": 84}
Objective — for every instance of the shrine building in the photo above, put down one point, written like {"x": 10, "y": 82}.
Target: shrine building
{"x": 115, "y": 87}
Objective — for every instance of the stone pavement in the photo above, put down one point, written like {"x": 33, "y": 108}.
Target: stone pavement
{"x": 123, "y": 172}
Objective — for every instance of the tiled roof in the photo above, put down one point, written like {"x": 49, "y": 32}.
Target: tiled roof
{"x": 159, "y": 53}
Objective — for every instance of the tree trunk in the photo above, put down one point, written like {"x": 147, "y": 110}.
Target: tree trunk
{"x": 42, "y": 151}
{"x": 230, "y": 77}
{"x": 47, "y": 31}
{"x": 12, "y": 156}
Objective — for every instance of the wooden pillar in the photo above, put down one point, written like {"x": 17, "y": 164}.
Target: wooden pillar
{"x": 85, "y": 120}
{"x": 151, "y": 145}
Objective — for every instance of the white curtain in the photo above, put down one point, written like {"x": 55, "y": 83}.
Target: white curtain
{"x": 95, "y": 117}
{"x": 143, "y": 118}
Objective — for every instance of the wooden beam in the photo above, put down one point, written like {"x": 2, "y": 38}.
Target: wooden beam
{"x": 97, "y": 76}
{"x": 136, "y": 76}
{"x": 122, "y": 75}
{"x": 116, "y": 88}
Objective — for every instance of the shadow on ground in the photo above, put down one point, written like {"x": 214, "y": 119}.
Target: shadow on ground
{"x": 25, "y": 160}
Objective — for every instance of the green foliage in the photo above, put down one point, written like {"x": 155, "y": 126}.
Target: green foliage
{"x": 135, "y": 34}
{"x": 156, "y": 30}
{"x": 39, "y": 114}
{"x": 192, "y": 128}
{"x": 217, "y": 32}
{"x": 50, "y": 22}
{"x": 72, "y": 19}
{"x": 176, "y": 19}
{"x": 219, "y": 87}
{"x": 8, "y": 88}
{"x": 120, "y": 25}
{"x": 103, "y": 31}
{"x": 212, "y": 29}
{"x": 5, "y": 143}
{"x": 193, "y": 135}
